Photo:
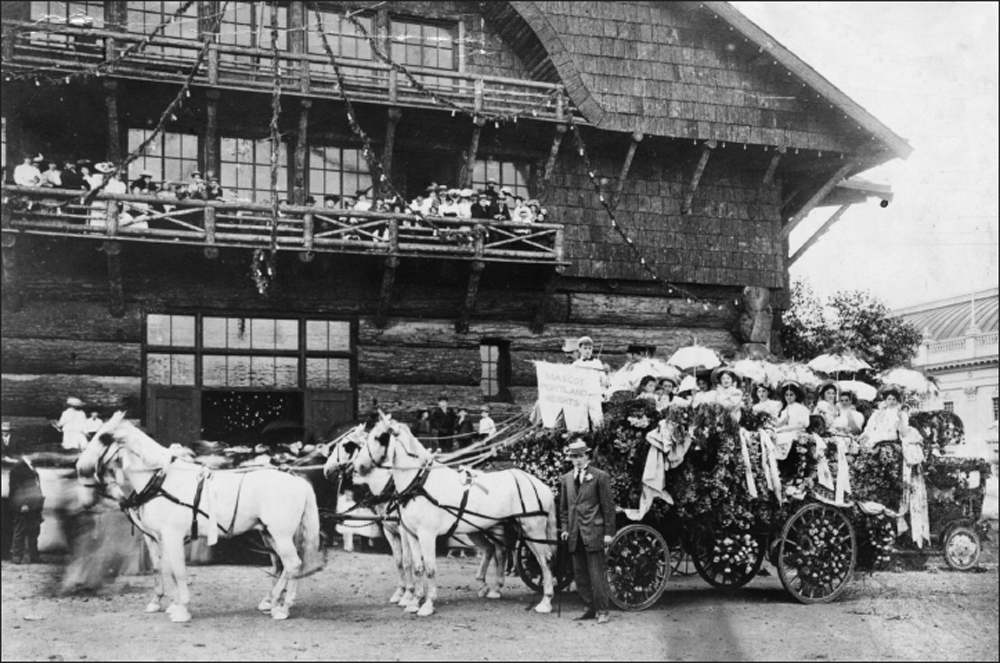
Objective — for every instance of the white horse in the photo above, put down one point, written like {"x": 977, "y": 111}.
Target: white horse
{"x": 175, "y": 494}
{"x": 436, "y": 500}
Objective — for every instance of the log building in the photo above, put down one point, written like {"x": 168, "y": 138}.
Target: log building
{"x": 708, "y": 141}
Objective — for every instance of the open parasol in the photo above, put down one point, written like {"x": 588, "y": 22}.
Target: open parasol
{"x": 759, "y": 371}
{"x": 862, "y": 390}
{"x": 695, "y": 356}
{"x": 629, "y": 375}
{"x": 800, "y": 373}
{"x": 912, "y": 380}
{"x": 838, "y": 362}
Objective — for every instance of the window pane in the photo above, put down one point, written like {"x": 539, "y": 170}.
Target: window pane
{"x": 158, "y": 369}
{"x": 286, "y": 372}
{"x": 262, "y": 334}
{"x": 316, "y": 372}
{"x": 286, "y": 335}
{"x": 316, "y": 335}
{"x": 213, "y": 371}
{"x": 262, "y": 371}
{"x": 158, "y": 329}
{"x": 340, "y": 336}
{"x": 238, "y": 333}
{"x": 340, "y": 374}
{"x": 182, "y": 331}
{"x": 238, "y": 371}
{"x": 182, "y": 370}
{"x": 213, "y": 332}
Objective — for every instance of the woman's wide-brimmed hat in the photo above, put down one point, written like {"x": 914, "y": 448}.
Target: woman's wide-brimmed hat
{"x": 800, "y": 393}
{"x": 826, "y": 384}
{"x": 72, "y": 401}
{"x": 577, "y": 448}
{"x": 721, "y": 370}
{"x": 104, "y": 167}
{"x": 671, "y": 380}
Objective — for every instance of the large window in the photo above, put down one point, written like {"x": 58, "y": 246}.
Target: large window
{"x": 73, "y": 14}
{"x": 171, "y": 157}
{"x": 144, "y": 17}
{"x": 249, "y": 24}
{"x": 513, "y": 174}
{"x": 427, "y": 45}
{"x": 345, "y": 40}
{"x": 246, "y": 169}
{"x": 495, "y": 362}
{"x": 248, "y": 353}
{"x": 333, "y": 170}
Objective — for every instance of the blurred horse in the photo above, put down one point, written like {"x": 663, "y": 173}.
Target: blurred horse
{"x": 437, "y": 500}
{"x": 175, "y": 498}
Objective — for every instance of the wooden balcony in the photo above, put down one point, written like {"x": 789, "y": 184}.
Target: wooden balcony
{"x": 215, "y": 224}
{"x": 57, "y": 50}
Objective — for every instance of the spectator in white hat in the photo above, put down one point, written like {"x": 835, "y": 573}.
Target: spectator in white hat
{"x": 73, "y": 425}
{"x": 27, "y": 174}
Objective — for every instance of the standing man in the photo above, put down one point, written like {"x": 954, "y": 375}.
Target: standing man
{"x": 442, "y": 420}
{"x": 26, "y": 502}
{"x": 587, "y": 509}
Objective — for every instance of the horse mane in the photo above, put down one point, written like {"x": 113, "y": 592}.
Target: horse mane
{"x": 413, "y": 444}
{"x": 148, "y": 450}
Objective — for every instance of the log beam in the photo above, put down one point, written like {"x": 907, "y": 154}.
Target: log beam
{"x": 550, "y": 164}
{"x": 820, "y": 194}
{"x": 822, "y": 230}
{"x": 541, "y": 310}
{"x": 772, "y": 168}
{"x": 469, "y": 303}
{"x": 385, "y": 294}
{"x": 114, "y": 128}
{"x": 390, "y": 139}
{"x": 11, "y": 295}
{"x": 699, "y": 170}
{"x": 470, "y": 156}
{"x": 636, "y": 139}
{"x": 210, "y": 154}
{"x": 301, "y": 150}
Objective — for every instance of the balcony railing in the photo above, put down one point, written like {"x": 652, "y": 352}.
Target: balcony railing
{"x": 56, "y": 49}
{"x": 213, "y": 224}
{"x": 974, "y": 347}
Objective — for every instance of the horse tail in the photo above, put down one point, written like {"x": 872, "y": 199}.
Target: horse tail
{"x": 307, "y": 537}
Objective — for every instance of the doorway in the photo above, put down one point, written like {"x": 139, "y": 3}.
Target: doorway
{"x": 252, "y": 417}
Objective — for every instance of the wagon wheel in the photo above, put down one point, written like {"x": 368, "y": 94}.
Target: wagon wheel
{"x": 961, "y": 548}
{"x": 681, "y": 561}
{"x": 816, "y": 553}
{"x": 530, "y": 573}
{"x": 638, "y": 567}
{"x": 710, "y": 553}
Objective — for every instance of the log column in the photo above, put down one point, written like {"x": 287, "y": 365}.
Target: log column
{"x": 385, "y": 183}
{"x": 114, "y": 153}
{"x": 470, "y": 157}
{"x": 301, "y": 150}
{"x": 212, "y": 164}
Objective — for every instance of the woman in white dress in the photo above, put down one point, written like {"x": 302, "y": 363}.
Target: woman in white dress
{"x": 727, "y": 390}
{"x": 766, "y": 402}
{"x": 794, "y": 419}
{"x": 826, "y": 405}
{"x": 848, "y": 420}
{"x": 73, "y": 425}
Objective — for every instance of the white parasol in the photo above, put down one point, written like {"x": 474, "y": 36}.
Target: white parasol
{"x": 695, "y": 356}
{"x": 800, "y": 373}
{"x": 862, "y": 390}
{"x": 629, "y": 375}
{"x": 839, "y": 362}
{"x": 759, "y": 371}
{"x": 912, "y": 380}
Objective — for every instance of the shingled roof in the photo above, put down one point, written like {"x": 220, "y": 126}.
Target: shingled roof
{"x": 689, "y": 70}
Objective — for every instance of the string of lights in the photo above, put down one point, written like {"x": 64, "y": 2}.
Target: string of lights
{"x": 606, "y": 204}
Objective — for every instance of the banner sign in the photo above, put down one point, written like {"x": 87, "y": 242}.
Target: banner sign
{"x": 566, "y": 389}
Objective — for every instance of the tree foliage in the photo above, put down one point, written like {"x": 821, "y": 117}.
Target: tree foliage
{"x": 854, "y": 321}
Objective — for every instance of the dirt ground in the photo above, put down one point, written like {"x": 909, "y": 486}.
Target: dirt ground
{"x": 342, "y": 614}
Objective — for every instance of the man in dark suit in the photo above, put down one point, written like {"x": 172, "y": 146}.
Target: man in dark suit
{"x": 587, "y": 509}
{"x": 443, "y": 420}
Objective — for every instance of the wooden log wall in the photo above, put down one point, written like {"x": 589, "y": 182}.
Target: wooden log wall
{"x": 64, "y": 341}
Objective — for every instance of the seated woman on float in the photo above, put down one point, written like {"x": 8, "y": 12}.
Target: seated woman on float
{"x": 703, "y": 393}
{"x": 793, "y": 419}
{"x": 667, "y": 398}
{"x": 647, "y": 389}
{"x": 848, "y": 420}
{"x": 890, "y": 423}
{"x": 826, "y": 403}
{"x": 685, "y": 392}
{"x": 727, "y": 389}
{"x": 766, "y": 402}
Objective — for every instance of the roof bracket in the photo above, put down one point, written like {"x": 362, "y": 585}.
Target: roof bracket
{"x": 699, "y": 170}
{"x": 815, "y": 199}
{"x": 636, "y": 139}
{"x": 818, "y": 234}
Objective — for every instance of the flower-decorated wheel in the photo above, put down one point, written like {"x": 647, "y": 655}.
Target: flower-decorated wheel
{"x": 638, "y": 567}
{"x": 816, "y": 553}
{"x": 726, "y": 560}
{"x": 530, "y": 573}
{"x": 962, "y": 548}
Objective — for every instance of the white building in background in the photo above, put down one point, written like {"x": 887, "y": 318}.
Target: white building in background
{"x": 960, "y": 350}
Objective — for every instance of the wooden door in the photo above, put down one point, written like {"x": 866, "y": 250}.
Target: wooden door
{"x": 173, "y": 415}
{"x": 326, "y": 409}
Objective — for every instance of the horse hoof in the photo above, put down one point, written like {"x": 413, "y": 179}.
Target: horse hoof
{"x": 171, "y": 608}
{"x": 279, "y": 612}
{"x": 543, "y": 608}
{"x": 413, "y": 607}
{"x": 180, "y": 615}
{"x": 493, "y": 594}
{"x": 265, "y": 605}
{"x": 483, "y": 591}
{"x": 153, "y": 606}
{"x": 396, "y": 597}
{"x": 426, "y": 610}
{"x": 408, "y": 599}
